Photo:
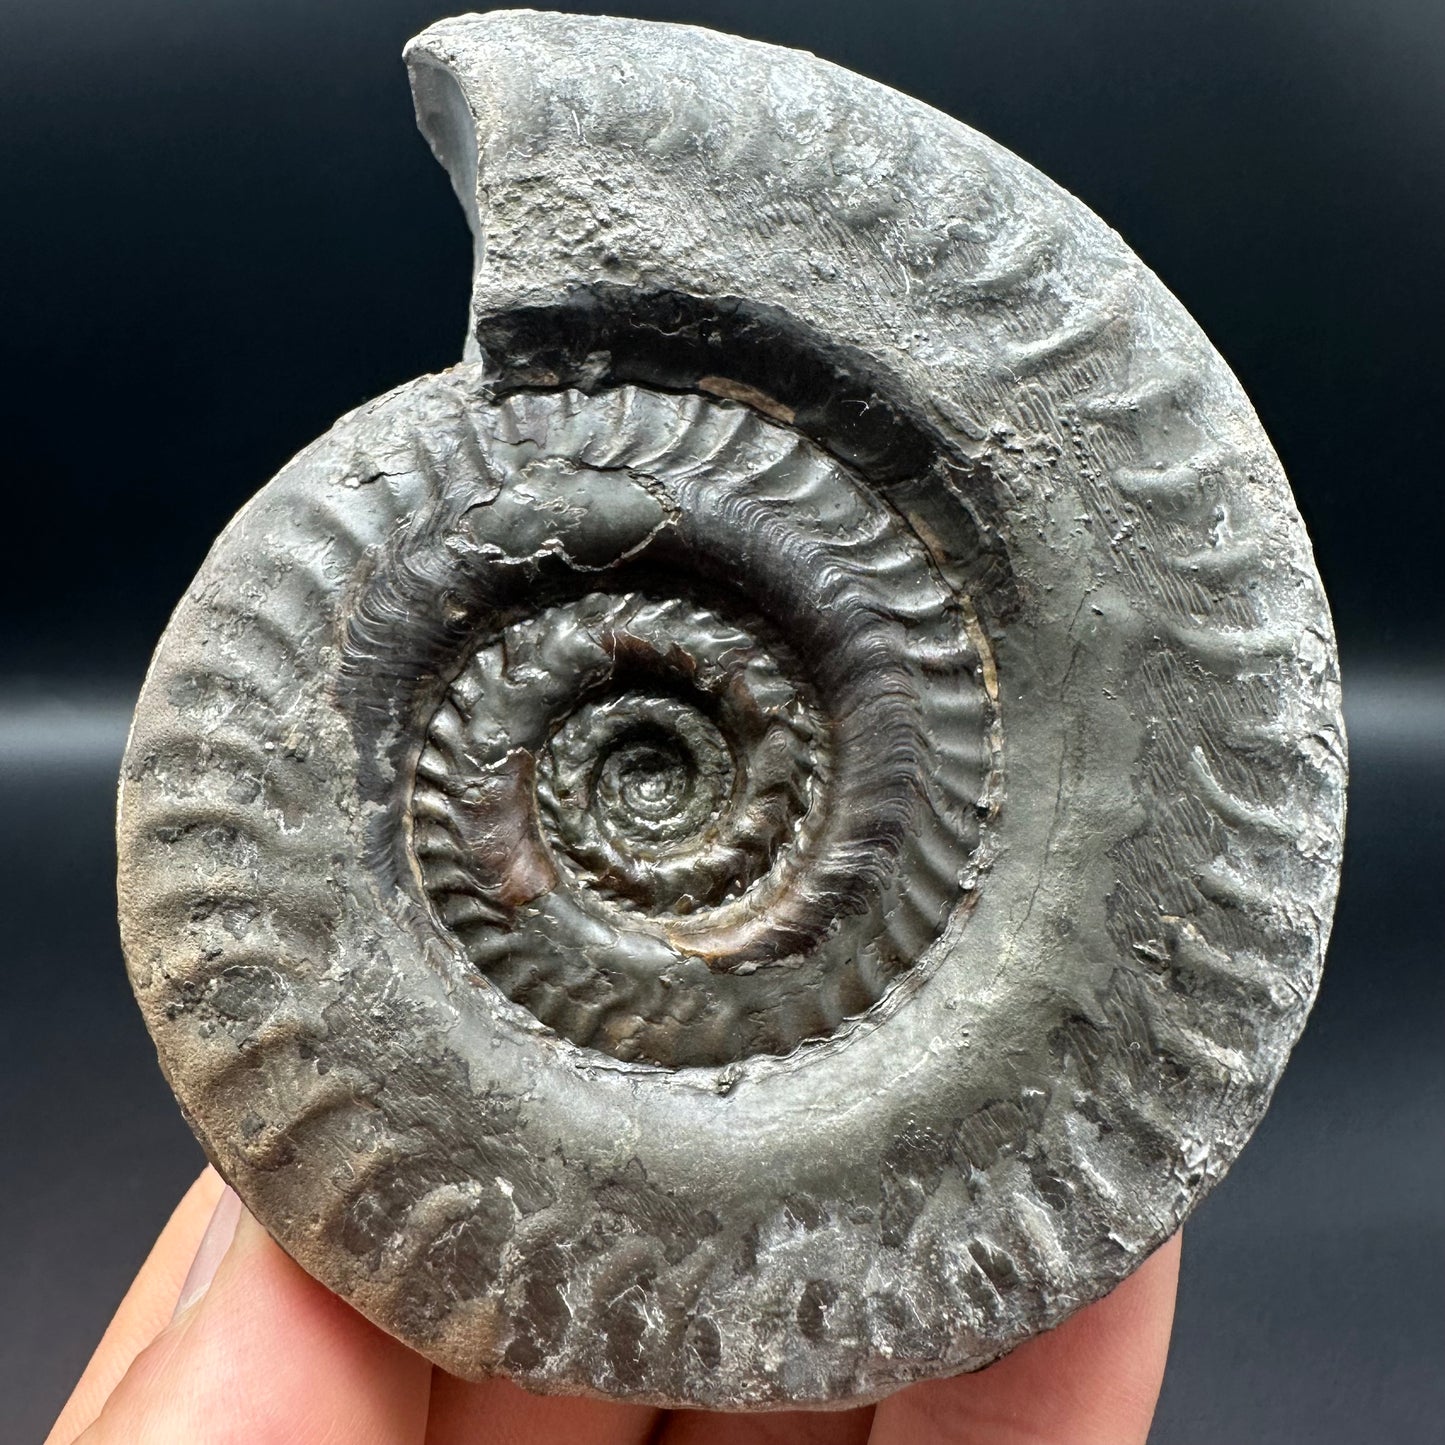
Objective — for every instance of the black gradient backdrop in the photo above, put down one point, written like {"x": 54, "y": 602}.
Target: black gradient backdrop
{"x": 219, "y": 230}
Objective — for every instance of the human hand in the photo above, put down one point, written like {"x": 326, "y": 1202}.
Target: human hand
{"x": 222, "y": 1338}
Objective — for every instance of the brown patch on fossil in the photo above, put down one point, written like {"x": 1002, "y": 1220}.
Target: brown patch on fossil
{"x": 749, "y": 396}
{"x": 494, "y": 815}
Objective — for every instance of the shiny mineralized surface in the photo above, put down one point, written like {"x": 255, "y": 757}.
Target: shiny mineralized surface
{"x": 767, "y": 835}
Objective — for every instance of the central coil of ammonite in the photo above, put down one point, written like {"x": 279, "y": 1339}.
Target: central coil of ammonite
{"x": 641, "y": 789}
{"x": 708, "y": 775}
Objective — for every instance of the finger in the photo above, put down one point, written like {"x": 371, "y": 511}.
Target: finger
{"x": 1092, "y": 1381}
{"x": 784, "y": 1427}
{"x": 144, "y": 1311}
{"x": 497, "y": 1412}
{"x": 267, "y": 1355}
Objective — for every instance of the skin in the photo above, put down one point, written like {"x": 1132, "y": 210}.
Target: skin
{"x": 222, "y": 1339}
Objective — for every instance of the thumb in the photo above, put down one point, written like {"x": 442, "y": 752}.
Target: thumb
{"x": 260, "y": 1353}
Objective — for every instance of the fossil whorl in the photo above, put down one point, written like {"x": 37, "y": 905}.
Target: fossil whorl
{"x": 768, "y": 834}
{"x": 715, "y": 786}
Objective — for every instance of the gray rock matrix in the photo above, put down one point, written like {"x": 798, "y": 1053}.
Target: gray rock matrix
{"x": 768, "y": 834}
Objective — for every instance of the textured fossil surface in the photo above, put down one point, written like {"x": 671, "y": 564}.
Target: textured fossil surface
{"x": 676, "y": 829}
{"x": 768, "y": 834}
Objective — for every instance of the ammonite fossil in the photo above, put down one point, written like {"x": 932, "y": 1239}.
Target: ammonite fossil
{"x": 767, "y": 835}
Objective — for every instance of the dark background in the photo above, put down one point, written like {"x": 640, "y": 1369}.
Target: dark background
{"x": 219, "y": 230}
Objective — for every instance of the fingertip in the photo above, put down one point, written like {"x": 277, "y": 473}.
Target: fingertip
{"x": 265, "y": 1354}
{"x": 467, "y": 1412}
{"x": 147, "y": 1306}
{"x": 220, "y": 1229}
{"x": 1093, "y": 1380}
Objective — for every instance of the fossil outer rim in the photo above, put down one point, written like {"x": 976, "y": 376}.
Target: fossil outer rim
{"x": 1011, "y": 1135}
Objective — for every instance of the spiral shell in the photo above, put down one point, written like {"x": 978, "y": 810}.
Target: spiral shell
{"x": 768, "y": 834}
{"x": 677, "y": 830}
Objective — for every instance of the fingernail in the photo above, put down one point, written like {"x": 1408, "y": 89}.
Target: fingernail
{"x": 211, "y": 1250}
